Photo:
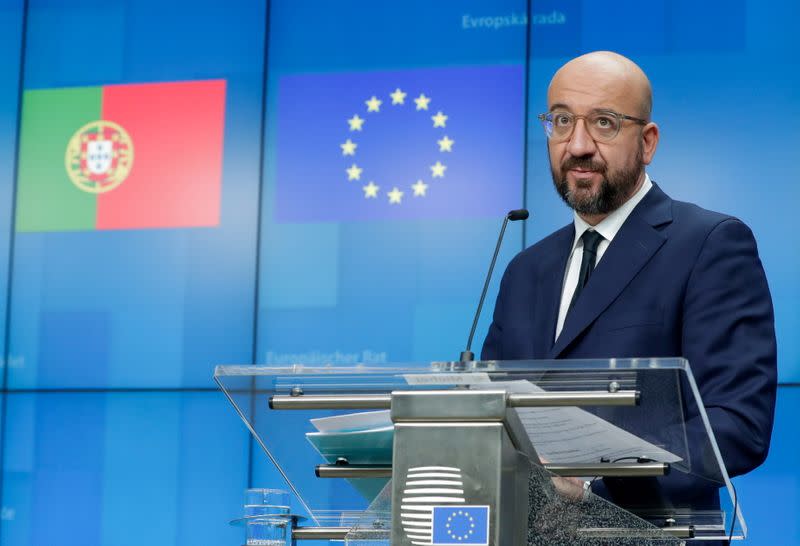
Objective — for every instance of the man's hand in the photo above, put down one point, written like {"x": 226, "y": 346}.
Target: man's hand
{"x": 570, "y": 488}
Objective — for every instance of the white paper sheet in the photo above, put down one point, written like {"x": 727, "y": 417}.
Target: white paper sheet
{"x": 572, "y": 435}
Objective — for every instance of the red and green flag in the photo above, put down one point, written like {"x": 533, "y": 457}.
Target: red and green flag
{"x": 127, "y": 156}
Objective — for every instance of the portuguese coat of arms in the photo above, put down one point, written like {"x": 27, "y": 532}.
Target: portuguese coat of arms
{"x": 99, "y": 156}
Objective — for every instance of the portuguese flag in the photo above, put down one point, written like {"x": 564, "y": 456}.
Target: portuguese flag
{"x": 121, "y": 157}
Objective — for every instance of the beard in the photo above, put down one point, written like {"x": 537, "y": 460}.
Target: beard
{"x": 616, "y": 187}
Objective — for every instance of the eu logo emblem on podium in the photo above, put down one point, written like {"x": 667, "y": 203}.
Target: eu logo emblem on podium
{"x": 460, "y": 525}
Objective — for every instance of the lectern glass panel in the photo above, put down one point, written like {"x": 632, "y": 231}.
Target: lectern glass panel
{"x": 633, "y": 429}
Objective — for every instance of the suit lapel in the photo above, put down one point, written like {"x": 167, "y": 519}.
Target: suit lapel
{"x": 633, "y": 246}
{"x": 553, "y": 266}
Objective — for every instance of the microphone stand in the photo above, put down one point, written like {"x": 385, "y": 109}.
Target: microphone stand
{"x": 521, "y": 214}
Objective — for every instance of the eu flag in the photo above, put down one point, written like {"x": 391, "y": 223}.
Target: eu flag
{"x": 460, "y": 525}
{"x": 406, "y": 144}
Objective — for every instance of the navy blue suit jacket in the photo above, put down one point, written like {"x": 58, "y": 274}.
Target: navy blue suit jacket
{"x": 676, "y": 280}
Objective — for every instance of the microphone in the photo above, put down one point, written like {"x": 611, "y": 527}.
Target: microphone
{"x": 514, "y": 215}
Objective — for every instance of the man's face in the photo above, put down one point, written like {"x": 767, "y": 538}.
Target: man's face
{"x": 592, "y": 177}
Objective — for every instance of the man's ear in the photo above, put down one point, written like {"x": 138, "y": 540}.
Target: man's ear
{"x": 650, "y": 136}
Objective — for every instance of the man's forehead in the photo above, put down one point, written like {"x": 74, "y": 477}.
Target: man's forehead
{"x": 584, "y": 92}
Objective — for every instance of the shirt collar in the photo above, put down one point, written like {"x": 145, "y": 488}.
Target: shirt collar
{"x": 612, "y": 223}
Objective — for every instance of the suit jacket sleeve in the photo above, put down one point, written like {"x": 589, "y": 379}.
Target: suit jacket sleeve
{"x": 729, "y": 340}
{"x": 492, "y": 349}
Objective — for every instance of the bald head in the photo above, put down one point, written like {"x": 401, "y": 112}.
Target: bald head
{"x": 608, "y": 73}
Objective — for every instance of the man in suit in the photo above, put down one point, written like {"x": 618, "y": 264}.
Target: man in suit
{"x": 637, "y": 274}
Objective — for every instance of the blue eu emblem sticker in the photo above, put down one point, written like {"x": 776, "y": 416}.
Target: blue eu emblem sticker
{"x": 460, "y": 525}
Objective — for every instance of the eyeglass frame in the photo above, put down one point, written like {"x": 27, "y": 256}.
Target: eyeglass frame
{"x": 620, "y": 118}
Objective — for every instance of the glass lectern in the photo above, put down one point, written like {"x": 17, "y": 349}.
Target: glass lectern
{"x": 494, "y": 453}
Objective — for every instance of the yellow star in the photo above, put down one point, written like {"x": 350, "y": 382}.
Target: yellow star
{"x": 419, "y": 188}
{"x": 398, "y": 97}
{"x": 446, "y": 144}
{"x": 373, "y": 104}
{"x": 354, "y": 172}
{"x": 438, "y": 169}
{"x": 349, "y": 147}
{"x": 422, "y": 102}
{"x": 395, "y": 196}
{"x": 439, "y": 119}
{"x": 370, "y": 190}
{"x": 355, "y": 123}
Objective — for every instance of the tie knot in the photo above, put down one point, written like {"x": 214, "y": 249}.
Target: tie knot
{"x": 591, "y": 240}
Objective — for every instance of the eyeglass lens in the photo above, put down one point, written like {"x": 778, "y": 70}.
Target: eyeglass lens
{"x": 600, "y": 125}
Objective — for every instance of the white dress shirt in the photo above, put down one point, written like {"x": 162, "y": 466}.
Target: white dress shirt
{"x": 608, "y": 228}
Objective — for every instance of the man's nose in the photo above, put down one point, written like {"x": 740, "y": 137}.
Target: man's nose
{"x": 581, "y": 142}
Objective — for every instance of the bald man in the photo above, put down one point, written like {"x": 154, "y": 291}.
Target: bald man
{"x": 637, "y": 274}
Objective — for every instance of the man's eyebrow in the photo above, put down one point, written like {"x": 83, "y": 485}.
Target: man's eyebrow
{"x": 561, "y": 106}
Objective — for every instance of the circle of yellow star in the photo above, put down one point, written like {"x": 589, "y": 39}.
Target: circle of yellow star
{"x": 349, "y": 147}
{"x": 469, "y": 531}
{"x": 438, "y": 169}
{"x": 420, "y": 187}
{"x": 370, "y": 190}
{"x": 422, "y": 102}
{"x": 373, "y": 104}
{"x": 439, "y": 119}
{"x": 395, "y": 196}
{"x": 446, "y": 144}
{"x": 354, "y": 172}
{"x": 355, "y": 123}
{"x": 398, "y": 97}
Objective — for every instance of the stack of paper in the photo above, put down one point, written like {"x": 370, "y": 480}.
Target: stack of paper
{"x": 559, "y": 434}
{"x": 361, "y": 438}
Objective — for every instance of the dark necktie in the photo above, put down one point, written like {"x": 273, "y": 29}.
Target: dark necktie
{"x": 591, "y": 240}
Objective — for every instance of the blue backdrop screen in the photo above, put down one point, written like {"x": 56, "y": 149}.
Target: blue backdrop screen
{"x": 716, "y": 70}
{"x": 369, "y": 153}
{"x": 346, "y": 277}
{"x": 147, "y": 307}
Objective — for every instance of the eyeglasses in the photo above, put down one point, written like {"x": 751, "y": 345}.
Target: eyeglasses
{"x": 602, "y": 126}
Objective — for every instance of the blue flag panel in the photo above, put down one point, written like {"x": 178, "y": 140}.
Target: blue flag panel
{"x": 460, "y": 525}
{"x": 407, "y": 144}
{"x": 140, "y": 308}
